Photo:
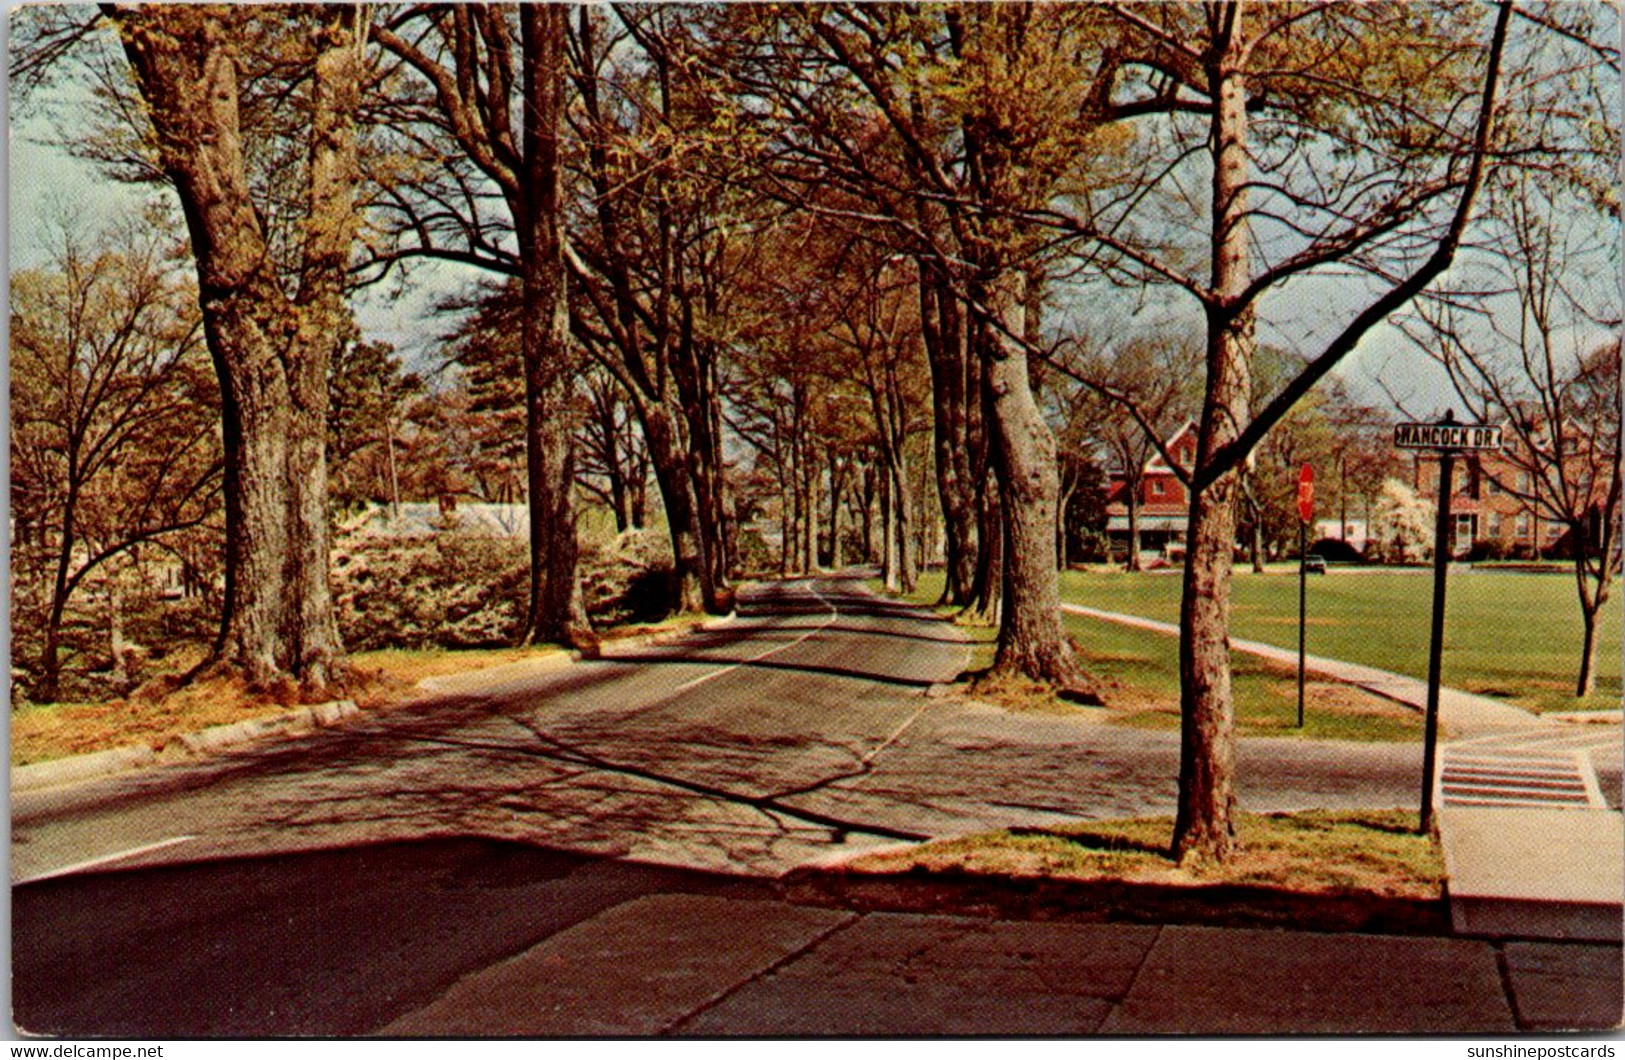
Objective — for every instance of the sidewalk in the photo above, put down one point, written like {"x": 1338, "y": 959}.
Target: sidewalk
{"x": 1462, "y": 713}
{"x": 1525, "y": 867}
{"x": 691, "y": 965}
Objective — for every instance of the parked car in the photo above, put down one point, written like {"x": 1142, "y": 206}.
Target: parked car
{"x": 1314, "y": 564}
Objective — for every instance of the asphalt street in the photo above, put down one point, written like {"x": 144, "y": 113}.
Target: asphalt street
{"x": 797, "y": 732}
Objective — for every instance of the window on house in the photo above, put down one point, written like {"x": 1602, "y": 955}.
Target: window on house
{"x": 1156, "y": 487}
{"x": 1495, "y": 520}
{"x": 1523, "y": 526}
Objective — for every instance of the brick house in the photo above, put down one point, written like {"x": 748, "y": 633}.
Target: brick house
{"x": 1496, "y": 504}
{"x": 1163, "y": 508}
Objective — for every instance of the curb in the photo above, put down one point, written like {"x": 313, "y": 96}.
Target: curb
{"x": 473, "y": 680}
{"x": 299, "y": 721}
{"x": 468, "y": 680}
{"x": 74, "y": 768}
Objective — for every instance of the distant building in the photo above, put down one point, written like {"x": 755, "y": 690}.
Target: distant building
{"x": 1351, "y": 531}
{"x": 447, "y": 515}
{"x": 1163, "y": 505}
{"x": 1499, "y": 505}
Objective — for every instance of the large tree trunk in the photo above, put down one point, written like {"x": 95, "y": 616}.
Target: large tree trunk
{"x": 948, "y": 355}
{"x": 694, "y": 372}
{"x": 1031, "y": 640}
{"x": 555, "y": 611}
{"x": 271, "y": 353}
{"x": 1204, "y": 828}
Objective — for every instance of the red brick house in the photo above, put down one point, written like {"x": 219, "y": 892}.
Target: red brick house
{"x": 1498, "y": 505}
{"x": 1162, "y": 511}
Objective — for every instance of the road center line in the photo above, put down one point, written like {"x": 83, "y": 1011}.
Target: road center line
{"x": 888, "y": 741}
{"x": 106, "y": 859}
{"x": 833, "y": 614}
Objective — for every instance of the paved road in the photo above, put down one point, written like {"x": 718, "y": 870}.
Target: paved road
{"x": 799, "y": 731}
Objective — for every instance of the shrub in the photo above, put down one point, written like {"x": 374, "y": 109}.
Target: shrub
{"x": 442, "y": 590}
{"x": 630, "y": 579}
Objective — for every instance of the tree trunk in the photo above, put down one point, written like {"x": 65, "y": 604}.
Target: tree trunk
{"x": 947, "y": 354}
{"x": 271, "y": 353}
{"x": 1593, "y": 594}
{"x": 907, "y": 570}
{"x": 676, "y": 491}
{"x": 1031, "y": 640}
{"x": 555, "y": 611}
{"x": 116, "y": 644}
{"x": 988, "y": 589}
{"x": 888, "y": 534}
{"x": 1132, "y": 561}
{"x": 48, "y": 687}
{"x": 693, "y": 371}
{"x": 1062, "y": 557}
{"x": 812, "y": 473}
{"x": 868, "y": 514}
{"x": 1586, "y": 683}
{"x": 1255, "y": 512}
{"x": 837, "y": 487}
{"x": 1204, "y": 828}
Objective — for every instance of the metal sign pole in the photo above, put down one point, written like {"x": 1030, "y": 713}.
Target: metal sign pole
{"x": 1306, "y": 512}
{"x": 1441, "y": 561}
{"x": 1446, "y": 436}
{"x": 1303, "y": 598}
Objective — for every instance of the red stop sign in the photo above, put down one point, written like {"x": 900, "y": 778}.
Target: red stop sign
{"x": 1306, "y": 493}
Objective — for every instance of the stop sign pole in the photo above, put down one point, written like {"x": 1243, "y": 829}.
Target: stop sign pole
{"x": 1306, "y": 511}
{"x": 1447, "y": 437}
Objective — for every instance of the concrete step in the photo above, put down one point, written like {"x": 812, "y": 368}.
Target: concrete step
{"x": 1534, "y": 872}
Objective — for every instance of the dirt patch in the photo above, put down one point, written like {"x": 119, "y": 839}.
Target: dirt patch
{"x": 55, "y": 730}
{"x": 1019, "y": 694}
{"x": 1349, "y": 871}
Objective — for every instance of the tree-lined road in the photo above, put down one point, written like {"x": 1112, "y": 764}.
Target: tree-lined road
{"x": 332, "y": 883}
{"x": 799, "y": 730}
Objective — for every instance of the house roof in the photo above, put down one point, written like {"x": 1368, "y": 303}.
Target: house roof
{"x": 1156, "y": 463}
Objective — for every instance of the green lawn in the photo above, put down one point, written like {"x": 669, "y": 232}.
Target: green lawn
{"x": 1138, "y": 672}
{"x": 1506, "y": 634}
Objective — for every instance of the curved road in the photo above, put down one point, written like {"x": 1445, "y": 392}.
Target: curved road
{"x": 326, "y": 884}
{"x": 797, "y": 731}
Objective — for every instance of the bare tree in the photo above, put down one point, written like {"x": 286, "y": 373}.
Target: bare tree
{"x": 497, "y": 99}
{"x": 1251, "y": 90}
{"x": 1549, "y": 372}
{"x": 113, "y": 416}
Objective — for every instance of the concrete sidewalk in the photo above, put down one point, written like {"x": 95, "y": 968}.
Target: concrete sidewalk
{"x": 1462, "y": 713}
{"x": 1513, "y": 870}
{"x": 692, "y": 965}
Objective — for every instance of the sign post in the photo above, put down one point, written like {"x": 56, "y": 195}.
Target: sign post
{"x": 1306, "y": 511}
{"x": 1446, "y": 437}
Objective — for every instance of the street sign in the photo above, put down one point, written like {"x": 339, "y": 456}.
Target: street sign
{"x": 1447, "y": 436}
{"x": 1306, "y": 493}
